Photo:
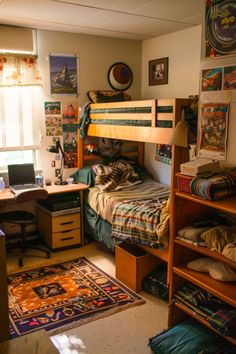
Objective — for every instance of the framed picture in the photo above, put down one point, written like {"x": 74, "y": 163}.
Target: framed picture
{"x": 158, "y": 71}
{"x": 220, "y": 28}
{"x": 63, "y": 74}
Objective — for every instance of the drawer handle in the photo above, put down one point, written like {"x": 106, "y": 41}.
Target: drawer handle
{"x": 66, "y": 231}
{"x": 67, "y": 238}
{"x": 66, "y": 222}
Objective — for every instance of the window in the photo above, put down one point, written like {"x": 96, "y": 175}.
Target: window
{"x": 19, "y": 124}
{"x": 20, "y": 99}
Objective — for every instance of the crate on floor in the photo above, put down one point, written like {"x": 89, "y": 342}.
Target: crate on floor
{"x": 133, "y": 264}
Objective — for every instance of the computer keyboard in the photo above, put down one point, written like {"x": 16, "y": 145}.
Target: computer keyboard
{"x": 25, "y": 186}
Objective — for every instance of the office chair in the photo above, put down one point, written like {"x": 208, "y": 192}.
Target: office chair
{"x": 24, "y": 218}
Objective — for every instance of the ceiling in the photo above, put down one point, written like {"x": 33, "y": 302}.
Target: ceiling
{"x": 131, "y": 19}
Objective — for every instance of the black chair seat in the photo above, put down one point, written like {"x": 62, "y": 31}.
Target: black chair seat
{"x": 17, "y": 217}
{"x": 23, "y": 219}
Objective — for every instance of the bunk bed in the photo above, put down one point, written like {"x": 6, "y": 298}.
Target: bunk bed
{"x": 133, "y": 122}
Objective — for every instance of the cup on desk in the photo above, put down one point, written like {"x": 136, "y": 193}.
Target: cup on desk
{"x": 39, "y": 180}
{"x": 48, "y": 181}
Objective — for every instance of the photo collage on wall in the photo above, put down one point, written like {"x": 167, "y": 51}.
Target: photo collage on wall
{"x": 61, "y": 119}
{"x": 53, "y": 118}
{"x": 70, "y": 127}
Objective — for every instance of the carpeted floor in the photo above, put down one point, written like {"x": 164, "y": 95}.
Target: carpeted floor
{"x": 63, "y": 296}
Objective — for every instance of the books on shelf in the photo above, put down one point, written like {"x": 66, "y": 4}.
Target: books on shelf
{"x": 200, "y": 167}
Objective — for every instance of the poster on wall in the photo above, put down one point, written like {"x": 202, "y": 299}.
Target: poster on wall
{"x": 70, "y": 133}
{"x": 63, "y": 74}
{"x": 163, "y": 153}
{"x": 213, "y": 132}
{"x": 212, "y": 79}
{"x": 220, "y": 26}
{"x": 53, "y": 119}
{"x": 230, "y": 78}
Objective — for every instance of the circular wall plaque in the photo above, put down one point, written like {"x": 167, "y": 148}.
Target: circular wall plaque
{"x": 120, "y": 76}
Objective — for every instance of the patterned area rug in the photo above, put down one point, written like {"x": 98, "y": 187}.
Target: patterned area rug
{"x": 62, "y": 296}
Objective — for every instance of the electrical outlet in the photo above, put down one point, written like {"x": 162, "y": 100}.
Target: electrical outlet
{"x": 57, "y": 172}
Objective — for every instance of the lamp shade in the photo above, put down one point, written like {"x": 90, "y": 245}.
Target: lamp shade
{"x": 180, "y": 133}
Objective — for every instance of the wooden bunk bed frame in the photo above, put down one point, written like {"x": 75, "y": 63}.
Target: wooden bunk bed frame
{"x": 136, "y": 123}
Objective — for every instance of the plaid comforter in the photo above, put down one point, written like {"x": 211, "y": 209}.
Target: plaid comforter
{"x": 136, "y": 221}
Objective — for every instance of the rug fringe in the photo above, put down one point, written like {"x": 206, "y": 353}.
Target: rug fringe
{"x": 98, "y": 316}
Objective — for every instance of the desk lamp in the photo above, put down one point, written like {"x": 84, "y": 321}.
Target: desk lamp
{"x": 56, "y": 149}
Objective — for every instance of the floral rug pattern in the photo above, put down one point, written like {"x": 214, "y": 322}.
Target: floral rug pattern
{"x": 63, "y": 296}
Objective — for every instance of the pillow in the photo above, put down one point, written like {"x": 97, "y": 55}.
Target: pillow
{"x": 85, "y": 175}
{"x": 200, "y": 264}
{"x": 187, "y": 337}
{"x": 191, "y": 233}
{"x": 217, "y": 237}
{"x": 98, "y": 96}
{"x": 217, "y": 270}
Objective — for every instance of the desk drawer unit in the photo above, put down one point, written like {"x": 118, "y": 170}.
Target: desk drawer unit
{"x": 60, "y": 229}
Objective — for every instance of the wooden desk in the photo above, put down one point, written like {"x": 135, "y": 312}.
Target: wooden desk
{"x": 7, "y": 195}
{"x": 46, "y": 221}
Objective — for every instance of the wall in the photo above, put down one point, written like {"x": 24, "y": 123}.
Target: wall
{"x": 183, "y": 49}
{"x": 96, "y": 55}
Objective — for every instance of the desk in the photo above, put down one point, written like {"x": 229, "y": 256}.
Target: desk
{"x": 45, "y": 223}
{"x": 7, "y": 195}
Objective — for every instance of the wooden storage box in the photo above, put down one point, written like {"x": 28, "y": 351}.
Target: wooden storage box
{"x": 184, "y": 182}
{"x": 133, "y": 264}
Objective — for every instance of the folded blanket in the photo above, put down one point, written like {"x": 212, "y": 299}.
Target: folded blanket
{"x": 216, "y": 187}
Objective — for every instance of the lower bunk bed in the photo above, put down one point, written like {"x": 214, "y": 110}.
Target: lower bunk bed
{"x": 124, "y": 204}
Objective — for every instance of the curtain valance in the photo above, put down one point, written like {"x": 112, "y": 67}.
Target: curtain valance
{"x": 19, "y": 70}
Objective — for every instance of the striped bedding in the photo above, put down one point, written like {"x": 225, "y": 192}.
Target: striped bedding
{"x": 137, "y": 221}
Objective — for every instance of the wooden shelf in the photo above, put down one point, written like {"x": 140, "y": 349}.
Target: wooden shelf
{"x": 207, "y": 252}
{"x": 228, "y": 204}
{"x": 202, "y": 320}
{"x": 226, "y": 291}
